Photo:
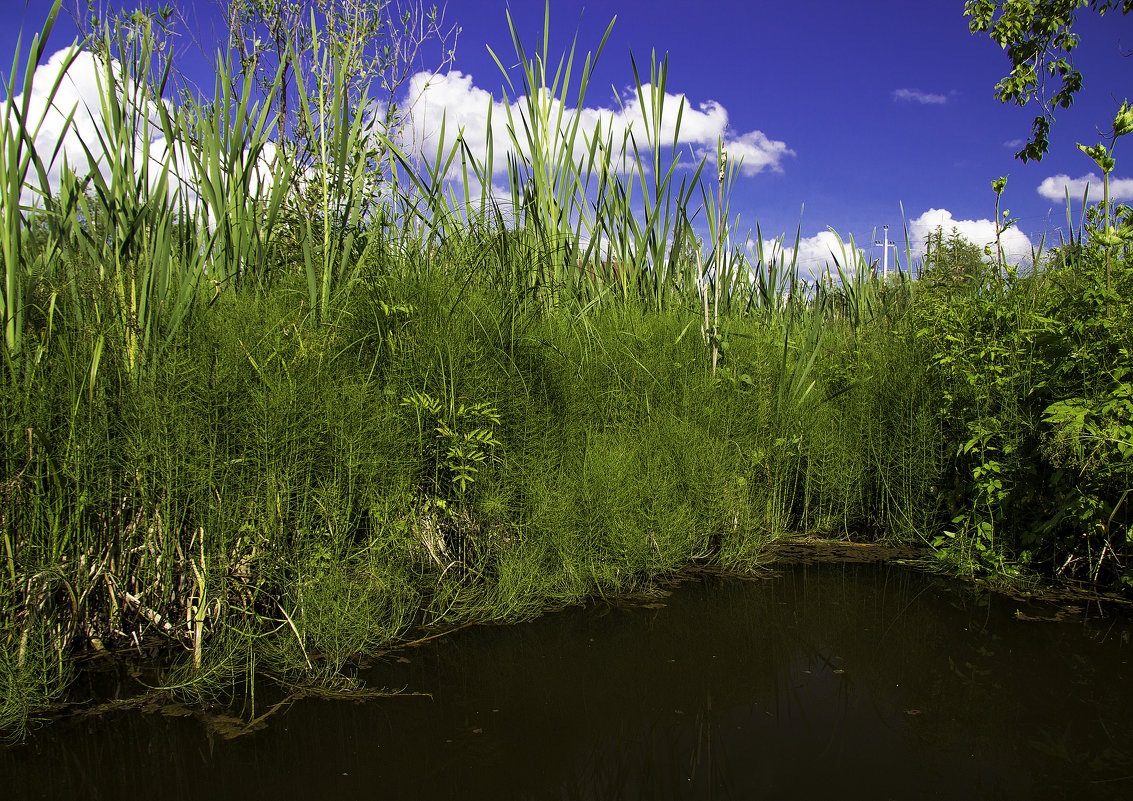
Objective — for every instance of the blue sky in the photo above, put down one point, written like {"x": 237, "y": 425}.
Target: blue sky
{"x": 852, "y": 109}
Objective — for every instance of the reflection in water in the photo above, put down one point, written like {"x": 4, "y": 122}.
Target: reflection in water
{"x": 841, "y": 680}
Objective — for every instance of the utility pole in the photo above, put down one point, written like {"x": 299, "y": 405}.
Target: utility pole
{"x": 886, "y": 244}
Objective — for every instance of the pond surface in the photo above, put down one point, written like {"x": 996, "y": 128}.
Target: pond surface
{"x": 837, "y": 681}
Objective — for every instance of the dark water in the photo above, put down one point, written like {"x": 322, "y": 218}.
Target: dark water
{"x": 834, "y": 681}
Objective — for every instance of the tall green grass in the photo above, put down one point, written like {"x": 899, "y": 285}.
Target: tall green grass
{"x": 251, "y": 421}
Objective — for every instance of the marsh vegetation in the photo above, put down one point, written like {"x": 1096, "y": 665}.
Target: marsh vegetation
{"x": 272, "y": 407}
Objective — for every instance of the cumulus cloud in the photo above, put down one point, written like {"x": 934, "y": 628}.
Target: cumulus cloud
{"x": 917, "y": 96}
{"x": 77, "y": 92}
{"x": 1056, "y": 186}
{"x": 758, "y": 152}
{"x": 454, "y": 99}
{"x": 823, "y": 251}
{"x": 78, "y": 96}
{"x": 816, "y": 254}
{"x": 430, "y": 98}
{"x": 1016, "y": 244}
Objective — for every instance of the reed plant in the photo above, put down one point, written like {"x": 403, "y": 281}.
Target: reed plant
{"x": 23, "y": 172}
{"x": 271, "y": 443}
{"x": 272, "y": 455}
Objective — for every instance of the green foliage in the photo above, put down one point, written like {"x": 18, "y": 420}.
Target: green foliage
{"x": 34, "y": 671}
{"x": 439, "y": 419}
{"x": 20, "y": 164}
{"x": 1033, "y": 389}
{"x": 1039, "y": 40}
{"x": 464, "y": 438}
{"x": 951, "y": 265}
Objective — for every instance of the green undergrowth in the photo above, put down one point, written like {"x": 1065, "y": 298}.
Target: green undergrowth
{"x": 277, "y": 426}
{"x": 287, "y": 492}
{"x": 1035, "y": 402}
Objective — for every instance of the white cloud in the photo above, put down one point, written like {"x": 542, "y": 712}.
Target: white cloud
{"x": 1056, "y": 186}
{"x": 816, "y": 253}
{"x": 78, "y": 95}
{"x": 77, "y": 91}
{"x": 454, "y": 98}
{"x": 917, "y": 96}
{"x": 1013, "y": 143}
{"x": 824, "y": 250}
{"x": 1016, "y": 244}
{"x": 758, "y": 152}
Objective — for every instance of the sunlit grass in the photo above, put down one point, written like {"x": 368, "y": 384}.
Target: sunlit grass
{"x": 274, "y": 430}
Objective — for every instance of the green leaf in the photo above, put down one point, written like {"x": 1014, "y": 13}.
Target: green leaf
{"x": 1123, "y": 122}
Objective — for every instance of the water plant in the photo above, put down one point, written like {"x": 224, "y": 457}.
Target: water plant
{"x": 270, "y": 443}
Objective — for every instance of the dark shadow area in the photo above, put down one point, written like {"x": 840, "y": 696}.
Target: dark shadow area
{"x": 821, "y": 680}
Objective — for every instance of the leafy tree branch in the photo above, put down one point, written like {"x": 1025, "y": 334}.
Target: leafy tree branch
{"x": 1039, "y": 39}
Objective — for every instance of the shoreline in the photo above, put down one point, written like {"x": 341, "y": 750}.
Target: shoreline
{"x": 224, "y": 720}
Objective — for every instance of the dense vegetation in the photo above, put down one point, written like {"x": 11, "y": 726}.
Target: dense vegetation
{"x": 276, "y": 430}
